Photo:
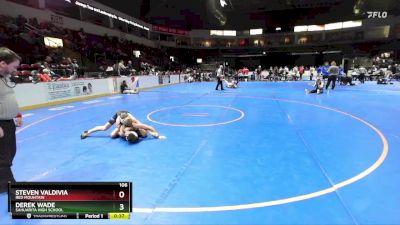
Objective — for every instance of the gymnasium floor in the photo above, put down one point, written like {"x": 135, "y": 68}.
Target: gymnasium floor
{"x": 265, "y": 153}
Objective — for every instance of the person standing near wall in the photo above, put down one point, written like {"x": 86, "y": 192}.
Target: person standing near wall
{"x": 258, "y": 73}
{"x": 301, "y": 71}
{"x": 9, "y": 62}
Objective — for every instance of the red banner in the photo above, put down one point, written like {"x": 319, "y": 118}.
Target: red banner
{"x": 170, "y": 30}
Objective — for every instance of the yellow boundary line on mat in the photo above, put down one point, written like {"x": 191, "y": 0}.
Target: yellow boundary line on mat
{"x": 335, "y": 187}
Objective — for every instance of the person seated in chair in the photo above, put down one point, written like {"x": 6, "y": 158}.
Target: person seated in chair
{"x": 125, "y": 88}
{"x": 385, "y": 79}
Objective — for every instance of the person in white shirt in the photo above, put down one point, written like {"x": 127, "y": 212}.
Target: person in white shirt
{"x": 295, "y": 71}
{"x": 319, "y": 86}
{"x": 121, "y": 67}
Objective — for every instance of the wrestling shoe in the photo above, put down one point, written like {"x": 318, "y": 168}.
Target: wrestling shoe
{"x": 84, "y": 134}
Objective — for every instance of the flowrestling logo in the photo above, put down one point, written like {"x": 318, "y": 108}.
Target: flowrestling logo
{"x": 377, "y": 14}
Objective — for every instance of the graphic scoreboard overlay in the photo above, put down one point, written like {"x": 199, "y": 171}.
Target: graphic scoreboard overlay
{"x": 70, "y": 200}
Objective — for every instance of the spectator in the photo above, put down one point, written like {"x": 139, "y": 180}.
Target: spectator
{"x": 45, "y": 76}
{"x": 109, "y": 70}
{"x": 319, "y": 86}
{"x": 124, "y": 86}
{"x": 74, "y": 65}
{"x": 301, "y": 72}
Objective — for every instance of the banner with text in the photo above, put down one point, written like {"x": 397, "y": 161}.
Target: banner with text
{"x": 76, "y": 88}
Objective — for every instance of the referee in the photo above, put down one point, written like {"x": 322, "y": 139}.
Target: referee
{"x": 9, "y": 62}
{"x": 220, "y": 77}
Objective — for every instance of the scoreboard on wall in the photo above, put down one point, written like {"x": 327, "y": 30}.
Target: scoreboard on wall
{"x": 66, "y": 200}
